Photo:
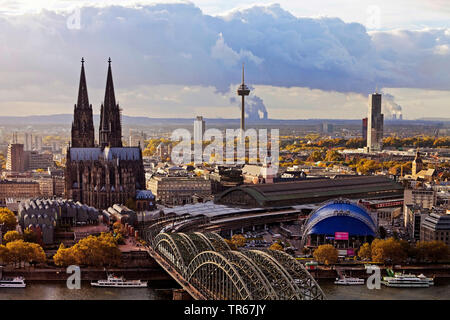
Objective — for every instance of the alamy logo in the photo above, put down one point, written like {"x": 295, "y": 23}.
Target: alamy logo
{"x": 73, "y": 281}
{"x": 374, "y": 281}
{"x": 373, "y": 17}
{"x": 238, "y": 147}
{"x": 73, "y": 21}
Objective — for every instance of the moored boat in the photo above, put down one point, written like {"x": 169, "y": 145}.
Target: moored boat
{"x": 401, "y": 280}
{"x": 119, "y": 282}
{"x": 16, "y": 282}
{"x": 349, "y": 281}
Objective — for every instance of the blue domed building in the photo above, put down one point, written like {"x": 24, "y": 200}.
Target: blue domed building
{"x": 342, "y": 223}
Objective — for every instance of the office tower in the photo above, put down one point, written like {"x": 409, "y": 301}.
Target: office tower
{"x": 364, "y": 129}
{"x": 137, "y": 139}
{"x": 199, "y": 128}
{"x": 15, "y": 158}
{"x": 327, "y": 127}
{"x": 28, "y": 142}
{"x": 375, "y": 123}
{"x": 243, "y": 91}
{"x": 38, "y": 143}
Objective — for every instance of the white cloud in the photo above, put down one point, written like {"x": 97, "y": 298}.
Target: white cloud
{"x": 179, "y": 45}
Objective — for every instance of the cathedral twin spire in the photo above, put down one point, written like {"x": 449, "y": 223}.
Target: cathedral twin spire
{"x": 110, "y": 131}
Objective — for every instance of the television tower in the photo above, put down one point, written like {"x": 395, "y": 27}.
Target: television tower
{"x": 243, "y": 91}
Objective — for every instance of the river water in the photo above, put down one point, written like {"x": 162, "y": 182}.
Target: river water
{"x": 56, "y": 290}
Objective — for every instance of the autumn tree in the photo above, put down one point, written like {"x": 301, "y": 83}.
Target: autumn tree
{"x": 93, "y": 251}
{"x": 333, "y": 155}
{"x": 20, "y": 251}
{"x": 12, "y": 235}
{"x": 238, "y": 240}
{"x": 432, "y": 251}
{"x": 4, "y": 254}
{"x": 64, "y": 256}
{"x": 389, "y": 250}
{"x": 365, "y": 251}
{"x": 8, "y": 218}
{"x": 316, "y": 156}
{"x": 326, "y": 254}
{"x": 276, "y": 246}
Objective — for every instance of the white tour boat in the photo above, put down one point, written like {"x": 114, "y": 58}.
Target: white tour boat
{"x": 16, "y": 282}
{"x": 349, "y": 281}
{"x": 400, "y": 280}
{"x": 119, "y": 282}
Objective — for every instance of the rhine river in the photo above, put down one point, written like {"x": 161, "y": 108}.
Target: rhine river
{"x": 58, "y": 291}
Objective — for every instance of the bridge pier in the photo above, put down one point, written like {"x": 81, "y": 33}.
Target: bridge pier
{"x": 180, "y": 294}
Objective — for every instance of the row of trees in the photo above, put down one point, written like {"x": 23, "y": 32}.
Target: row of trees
{"x": 397, "y": 251}
{"x": 389, "y": 251}
{"x": 97, "y": 251}
{"x": 27, "y": 236}
{"x": 18, "y": 252}
{"x": 294, "y": 145}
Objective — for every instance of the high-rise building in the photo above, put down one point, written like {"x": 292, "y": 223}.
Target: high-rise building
{"x": 375, "y": 123}
{"x": 364, "y": 129}
{"x": 108, "y": 174}
{"x": 199, "y": 128}
{"x": 327, "y": 127}
{"x": 28, "y": 142}
{"x": 436, "y": 227}
{"x": 38, "y": 143}
{"x": 15, "y": 158}
{"x": 137, "y": 139}
{"x": 35, "y": 160}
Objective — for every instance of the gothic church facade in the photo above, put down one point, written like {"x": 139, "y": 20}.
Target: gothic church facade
{"x": 104, "y": 174}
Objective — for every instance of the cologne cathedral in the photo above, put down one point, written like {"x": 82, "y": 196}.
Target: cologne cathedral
{"x": 104, "y": 174}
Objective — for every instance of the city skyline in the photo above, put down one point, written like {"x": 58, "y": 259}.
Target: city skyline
{"x": 308, "y": 66}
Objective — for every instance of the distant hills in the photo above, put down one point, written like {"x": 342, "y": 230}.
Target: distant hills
{"x": 66, "y": 119}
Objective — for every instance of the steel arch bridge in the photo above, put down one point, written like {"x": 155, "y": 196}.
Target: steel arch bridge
{"x": 205, "y": 263}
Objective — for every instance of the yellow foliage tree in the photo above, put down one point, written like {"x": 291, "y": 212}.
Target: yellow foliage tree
{"x": 8, "y": 218}
{"x": 12, "y": 235}
{"x": 365, "y": 252}
{"x": 231, "y": 244}
{"x": 389, "y": 250}
{"x": 238, "y": 240}
{"x": 93, "y": 251}
{"x": 276, "y": 246}
{"x": 20, "y": 251}
{"x": 64, "y": 257}
{"x": 326, "y": 254}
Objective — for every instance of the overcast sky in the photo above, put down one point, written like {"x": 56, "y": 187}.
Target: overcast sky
{"x": 304, "y": 59}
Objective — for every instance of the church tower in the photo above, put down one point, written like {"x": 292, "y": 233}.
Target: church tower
{"x": 417, "y": 164}
{"x": 83, "y": 124}
{"x": 110, "y": 134}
